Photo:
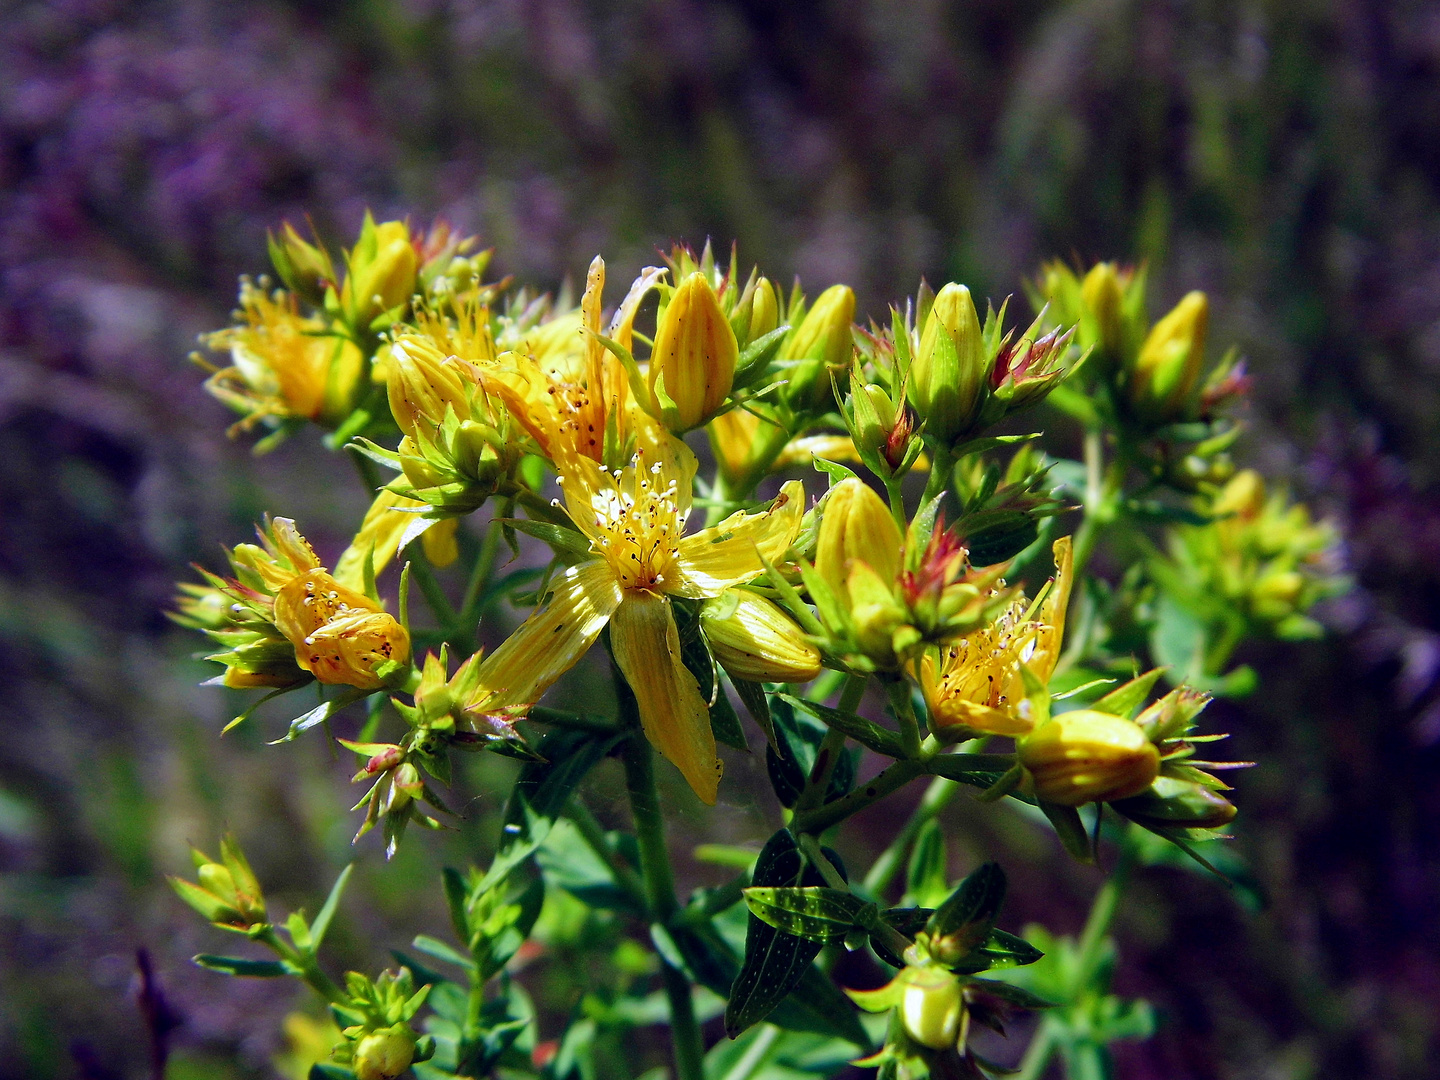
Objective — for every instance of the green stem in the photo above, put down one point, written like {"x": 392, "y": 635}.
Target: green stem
{"x": 593, "y": 834}
{"x": 832, "y": 813}
{"x": 658, "y": 881}
{"x": 430, "y": 589}
{"x": 1039, "y": 1052}
{"x": 1102, "y": 914}
{"x": 936, "y": 797}
{"x": 942, "y": 461}
{"x": 830, "y": 749}
{"x": 479, "y": 577}
{"x": 903, "y": 705}
{"x": 309, "y": 967}
{"x": 1102, "y": 488}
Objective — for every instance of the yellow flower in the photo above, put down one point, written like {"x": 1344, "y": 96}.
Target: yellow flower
{"x": 588, "y": 410}
{"x": 856, "y": 527}
{"x": 635, "y": 519}
{"x": 339, "y": 635}
{"x": 753, "y": 639}
{"x": 976, "y": 685}
{"x": 283, "y": 366}
{"x": 1168, "y": 366}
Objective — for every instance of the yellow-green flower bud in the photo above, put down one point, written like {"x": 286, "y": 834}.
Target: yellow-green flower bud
{"x": 856, "y": 524}
{"x": 824, "y": 337}
{"x": 950, "y": 370}
{"x": 384, "y": 1054}
{"x": 305, "y": 268}
{"x": 693, "y": 362}
{"x": 1085, "y": 756}
{"x": 386, "y": 279}
{"x": 1103, "y": 298}
{"x": 423, "y": 384}
{"x": 1243, "y": 496}
{"x": 932, "y": 1007}
{"x": 755, "y": 640}
{"x": 1169, "y": 363}
{"x": 764, "y": 309}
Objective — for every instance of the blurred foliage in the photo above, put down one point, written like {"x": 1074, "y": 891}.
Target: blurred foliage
{"x": 1285, "y": 157}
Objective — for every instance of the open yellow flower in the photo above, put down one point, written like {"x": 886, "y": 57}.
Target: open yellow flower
{"x": 635, "y": 521}
{"x": 976, "y": 683}
{"x": 590, "y": 409}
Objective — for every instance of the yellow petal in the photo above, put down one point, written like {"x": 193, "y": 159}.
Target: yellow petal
{"x": 551, "y": 640}
{"x": 674, "y": 715}
{"x": 382, "y": 531}
{"x": 439, "y": 542}
{"x": 1051, "y": 615}
{"x": 712, "y": 560}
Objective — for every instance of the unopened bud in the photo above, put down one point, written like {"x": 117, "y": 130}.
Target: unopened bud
{"x": 856, "y": 524}
{"x": 423, "y": 384}
{"x": 384, "y": 1054}
{"x": 825, "y": 339}
{"x": 305, "y": 268}
{"x": 1103, "y": 298}
{"x": 387, "y": 279}
{"x": 764, "y": 309}
{"x": 1086, "y": 756}
{"x": 948, "y": 376}
{"x": 1168, "y": 366}
{"x": 932, "y": 1007}
{"x": 758, "y": 641}
{"x": 1243, "y": 496}
{"x": 693, "y": 362}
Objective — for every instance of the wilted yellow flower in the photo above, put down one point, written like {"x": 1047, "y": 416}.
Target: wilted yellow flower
{"x": 1086, "y": 756}
{"x": 976, "y": 684}
{"x": 635, "y": 523}
{"x": 693, "y": 361}
{"x": 754, "y": 639}
{"x": 284, "y": 366}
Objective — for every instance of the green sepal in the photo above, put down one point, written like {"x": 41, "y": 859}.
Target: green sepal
{"x": 968, "y": 915}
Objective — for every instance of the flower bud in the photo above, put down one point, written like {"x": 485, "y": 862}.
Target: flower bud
{"x": 932, "y": 1007}
{"x": 1243, "y": 496}
{"x": 856, "y": 524}
{"x": 227, "y": 892}
{"x": 764, "y": 310}
{"x": 384, "y": 280}
{"x": 1174, "y": 803}
{"x": 948, "y": 375}
{"x": 1085, "y": 756}
{"x": 423, "y": 384}
{"x": 693, "y": 362}
{"x": 1168, "y": 366}
{"x": 384, "y": 1054}
{"x": 305, "y": 268}
{"x": 758, "y": 641}
{"x": 825, "y": 339}
{"x": 1103, "y": 298}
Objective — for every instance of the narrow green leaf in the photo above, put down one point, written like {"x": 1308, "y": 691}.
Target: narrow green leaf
{"x": 438, "y": 950}
{"x": 927, "y": 878}
{"x": 866, "y": 732}
{"x": 968, "y": 916}
{"x": 1011, "y": 994}
{"x": 1125, "y": 699}
{"x": 327, "y": 912}
{"x": 752, "y": 694}
{"x": 977, "y": 770}
{"x": 1071, "y": 830}
{"x": 253, "y": 969}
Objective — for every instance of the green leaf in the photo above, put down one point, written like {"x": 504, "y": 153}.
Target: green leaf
{"x": 1125, "y": 699}
{"x": 818, "y": 913}
{"x": 327, "y": 913}
{"x": 752, "y": 694}
{"x": 321, "y": 713}
{"x": 774, "y": 960}
{"x": 438, "y": 950}
{"x": 834, "y": 470}
{"x": 756, "y": 356}
{"x": 866, "y": 732}
{"x": 724, "y": 722}
{"x": 325, "y": 1070}
{"x": 253, "y": 969}
{"x": 1003, "y": 950}
{"x": 457, "y": 894}
{"x": 1012, "y": 994}
{"x": 562, "y": 540}
{"x": 1071, "y": 830}
{"x": 927, "y": 878}
{"x": 541, "y": 792}
{"x": 968, "y": 915}
{"x": 908, "y": 921}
